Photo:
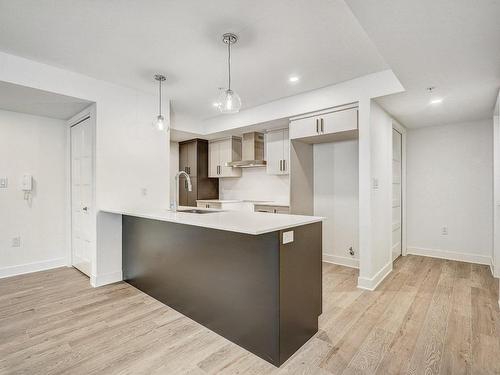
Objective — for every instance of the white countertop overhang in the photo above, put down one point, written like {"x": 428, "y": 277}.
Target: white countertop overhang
{"x": 234, "y": 221}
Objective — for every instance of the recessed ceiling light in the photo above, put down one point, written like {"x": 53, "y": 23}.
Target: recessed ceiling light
{"x": 293, "y": 79}
{"x": 437, "y": 101}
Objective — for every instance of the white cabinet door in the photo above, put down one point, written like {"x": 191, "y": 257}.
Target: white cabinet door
{"x": 225, "y": 156}
{"x": 213, "y": 159}
{"x": 277, "y": 152}
{"x": 229, "y": 150}
{"x": 274, "y": 152}
{"x": 306, "y": 127}
{"x": 327, "y": 123}
{"x": 340, "y": 121}
{"x": 286, "y": 152}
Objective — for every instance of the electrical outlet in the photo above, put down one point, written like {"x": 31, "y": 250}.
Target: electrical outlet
{"x": 444, "y": 231}
{"x": 351, "y": 251}
{"x": 3, "y": 182}
{"x": 16, "y": 242}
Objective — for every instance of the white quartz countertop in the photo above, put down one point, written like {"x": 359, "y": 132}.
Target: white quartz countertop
{"x": 233, "y": 221}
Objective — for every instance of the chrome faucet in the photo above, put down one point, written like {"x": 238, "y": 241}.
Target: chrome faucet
{"x": 175, "y": 205}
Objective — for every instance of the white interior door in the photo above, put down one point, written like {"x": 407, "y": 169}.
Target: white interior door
{"x": 81, "y": 194}
{"x": 396, "y": 194}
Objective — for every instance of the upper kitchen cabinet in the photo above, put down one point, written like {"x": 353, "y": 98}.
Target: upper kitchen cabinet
{"x": 193, "y": 159}
{"x": 326, "y": 126}
{"x": 221, "y": 152}
{"x": 277, "y": 152}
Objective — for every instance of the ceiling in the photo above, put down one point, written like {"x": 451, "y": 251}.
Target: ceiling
{"x": 38, "y": 102}
{"x": 127, "y": 41}
{"x": 453, "y": 45}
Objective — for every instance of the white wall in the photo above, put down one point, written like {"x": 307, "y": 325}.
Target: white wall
{"x": 130, "y": 154}
{"x": 255, "y": 184}
{"x": 380, "y": 201}
{"x": 336, "y": 199}
{"x": 450, "y": 183}
{"x": 37, "y": 146}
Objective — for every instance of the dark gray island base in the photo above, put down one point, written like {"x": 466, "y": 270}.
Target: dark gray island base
{"x": 251, "y": 289}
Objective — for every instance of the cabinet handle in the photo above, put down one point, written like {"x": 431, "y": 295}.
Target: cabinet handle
{"x": 322, "y": 128}
{"x": 317, "y": 125}
{"x": 281, "y": 165}
{"x": 284, "y": 165}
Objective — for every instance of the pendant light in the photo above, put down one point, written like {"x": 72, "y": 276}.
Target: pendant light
{"x": 229, "y": 101}
{"x": 159, "y": 121}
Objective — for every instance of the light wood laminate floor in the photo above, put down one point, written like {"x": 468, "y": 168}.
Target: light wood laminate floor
{"x": 429, "y": 316}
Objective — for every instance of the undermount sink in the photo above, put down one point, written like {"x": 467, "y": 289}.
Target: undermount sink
{"x": 196, "y": 211}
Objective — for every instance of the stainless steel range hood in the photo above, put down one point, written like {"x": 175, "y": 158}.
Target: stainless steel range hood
{"x": 253, "y": 152}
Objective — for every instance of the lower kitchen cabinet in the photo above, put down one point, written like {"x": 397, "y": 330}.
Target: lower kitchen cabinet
{"x": 272, "y": 209}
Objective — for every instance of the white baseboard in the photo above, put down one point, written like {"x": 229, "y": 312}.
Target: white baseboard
{"x": 371, "y": 284}
{"x": 341, "y": 261}
{"x": 32, "y": 267}
{"x": 450, "y": 255}
{"x": 109, "y": 278}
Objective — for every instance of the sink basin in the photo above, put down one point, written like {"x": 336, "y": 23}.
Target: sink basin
{"x": 195, "y": 211}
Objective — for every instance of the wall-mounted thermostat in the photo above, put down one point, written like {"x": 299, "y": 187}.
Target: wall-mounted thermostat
{"x": 27, "y": 182}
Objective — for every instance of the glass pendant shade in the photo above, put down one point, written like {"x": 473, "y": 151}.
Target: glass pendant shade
{"x": 229, "y": 102}
{"x": 159, "y": 123}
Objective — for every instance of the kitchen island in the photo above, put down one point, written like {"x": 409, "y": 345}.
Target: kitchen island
{"x": 254, "y": 278}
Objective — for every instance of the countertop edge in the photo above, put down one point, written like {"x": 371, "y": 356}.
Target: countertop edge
{"x": 310, "y": 220}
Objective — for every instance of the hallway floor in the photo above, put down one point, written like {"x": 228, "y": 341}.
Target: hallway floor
{"x": 429, "y": 316}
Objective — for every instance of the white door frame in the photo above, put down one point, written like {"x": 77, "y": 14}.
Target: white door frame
{"x": 87, "y": 112}
{"x": 402, "y": 130}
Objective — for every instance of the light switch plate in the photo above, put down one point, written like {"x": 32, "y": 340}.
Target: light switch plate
{"x": 3, "y": 182}
{"x": 287, "y": 237}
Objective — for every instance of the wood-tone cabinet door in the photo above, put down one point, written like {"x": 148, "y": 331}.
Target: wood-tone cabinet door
{"x": 192, "y": 195}
{"x": 183, "y": 157}
{"x": 183, "y": 192}
{"x": 213, "y": 159}
{"x": 192, "y": 155}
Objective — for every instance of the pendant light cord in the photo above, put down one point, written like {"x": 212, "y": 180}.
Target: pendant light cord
{"x": 229, "y": 63}
{"x": 159, "y": 89}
